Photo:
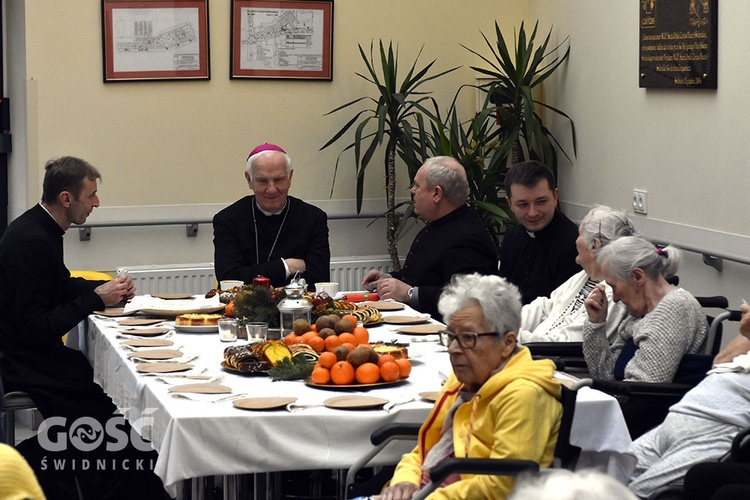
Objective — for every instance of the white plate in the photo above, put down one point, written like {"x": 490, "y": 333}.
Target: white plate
{"x": 197, "y": 328}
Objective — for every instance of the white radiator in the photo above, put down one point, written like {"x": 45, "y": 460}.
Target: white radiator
{"x": 172, "y": 278}
{"x": 348, "y": 272}
{"x": 200, "y": 278}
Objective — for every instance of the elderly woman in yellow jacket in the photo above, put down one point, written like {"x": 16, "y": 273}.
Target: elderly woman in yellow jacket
{"x": 498, "y": 403}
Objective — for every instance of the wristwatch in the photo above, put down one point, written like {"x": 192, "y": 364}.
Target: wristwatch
{"x": 410, "y": 293}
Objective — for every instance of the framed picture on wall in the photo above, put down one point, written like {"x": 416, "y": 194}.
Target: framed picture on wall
{"x": 291, "y": 39}
{"x": 155, "y": 40}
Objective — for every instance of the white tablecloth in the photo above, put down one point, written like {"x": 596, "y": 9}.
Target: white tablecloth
{"x": 196, "y": 439}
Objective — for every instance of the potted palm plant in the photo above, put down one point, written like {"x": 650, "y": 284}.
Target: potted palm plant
{"x": 513, "y": 77}
{"x": 507, "y": 128}
{"x": 393, "y": 117}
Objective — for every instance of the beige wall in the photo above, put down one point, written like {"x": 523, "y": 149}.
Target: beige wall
{"x": 179, "y": 147}
{"x": 185, "y": 142}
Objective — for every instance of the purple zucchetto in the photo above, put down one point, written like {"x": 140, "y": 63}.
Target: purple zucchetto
{"x": 265, "y": 147}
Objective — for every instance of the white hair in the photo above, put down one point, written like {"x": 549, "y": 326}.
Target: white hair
{"x": 606, "y": 225}
{"x": 500, "y": 300}
{"x": 251, "y": 162}
{"x": 562, "y": 484}
{"x": 625, "y": 255}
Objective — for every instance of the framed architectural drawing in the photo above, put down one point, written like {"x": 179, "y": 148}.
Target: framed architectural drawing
{"x": 155, "y": 40}
{"x": 291, "y": 39}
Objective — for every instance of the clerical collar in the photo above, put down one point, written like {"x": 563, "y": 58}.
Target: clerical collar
{"x": 49, "y": 213}
{"x": 264, "y": 212}
{"x": 548, "y": 229}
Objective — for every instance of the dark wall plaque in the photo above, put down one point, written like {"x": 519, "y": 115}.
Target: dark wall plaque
{"x": 678, "y": 46}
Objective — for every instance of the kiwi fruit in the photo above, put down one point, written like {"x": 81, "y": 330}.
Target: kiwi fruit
{"x": 326, "y": 332}
{"x": 374, "y": 356}
{"x": 324, "y": 322}
{"x": 300, "y": 326}
{"x": 358, "y": 356}
{"x": 344, "y": 325}
{"x": 341, "y": 352}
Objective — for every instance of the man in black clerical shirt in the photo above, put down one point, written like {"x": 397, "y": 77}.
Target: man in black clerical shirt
{"x": 539, "y": 254}
{"x": 40, "y": 303}
{"x": 454, "y": 241}
{"x": 271, "y": 234}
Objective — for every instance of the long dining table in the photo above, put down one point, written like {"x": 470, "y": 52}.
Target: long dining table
{"x": 199, "y": 437}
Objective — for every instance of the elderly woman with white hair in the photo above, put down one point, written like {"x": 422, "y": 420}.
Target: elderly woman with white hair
{"x": 560, "y": 317}
{"x": 497, "y": 403}
{"x": 665, "y": 322}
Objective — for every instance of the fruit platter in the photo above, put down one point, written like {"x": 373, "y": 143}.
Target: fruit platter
{"x": 346, "y": 358}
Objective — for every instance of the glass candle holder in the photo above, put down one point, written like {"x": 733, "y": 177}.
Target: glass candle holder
{"x": 257, "y": 331}
{"x": 227, "y": 330}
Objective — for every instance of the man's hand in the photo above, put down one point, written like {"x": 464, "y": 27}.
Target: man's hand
{"x": 391, "y": 288}
{"x": 597, "y": 304}
{"x": 398, "y": 491}
{"x": 741, "y": 343}
{"x": 370, "y": 281}
{"x": 115, "y": 291}
{"x": 296, "y": 265}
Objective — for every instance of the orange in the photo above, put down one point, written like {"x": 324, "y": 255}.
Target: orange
{"x": 327, "y": 359}
{"x": 361, "y": 334}
{"x": 290, "y": 339}
{"x": 308, "y": 335}
{"x": 317, "y": 343}
{"x": 342, "y": 373}
{"x": 332, "y": 342}
{"x": 313, "y": 327}
{"x": 385, "y": 358}
{"x": 389, "y": 371}
{"x": 404, "y": 367}
{"x": 351, "y": 318}
{"x": 348, "y": 337}
{"x": 349, "y": 346}
{"x": 367, "y": 373}
{"x": 320, "y": 375}
{"x": 229, "y": 309}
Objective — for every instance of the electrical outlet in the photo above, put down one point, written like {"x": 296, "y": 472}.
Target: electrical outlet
{"x": 640, "y": 201}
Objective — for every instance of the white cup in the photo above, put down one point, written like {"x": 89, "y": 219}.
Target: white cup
{"x": 257, "y": 331}
{"x": 227, "y": 330}
{"x": 329, "y": 287}
{"x": 229, "y": 284}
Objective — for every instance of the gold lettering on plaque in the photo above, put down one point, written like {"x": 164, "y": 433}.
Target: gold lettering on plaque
{"x": 648, "y": 13}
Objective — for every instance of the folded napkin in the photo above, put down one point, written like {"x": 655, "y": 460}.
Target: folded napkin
{"x": 140, "y": 302}
{"x": 360, "y": 297}
{"x": 740, "y": 364}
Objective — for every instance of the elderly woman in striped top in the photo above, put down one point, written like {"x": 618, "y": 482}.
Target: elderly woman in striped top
{"x": 560, "y": 317}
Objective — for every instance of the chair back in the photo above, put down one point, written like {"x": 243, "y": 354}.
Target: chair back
{"x": 566, "y": 455}
{"x": 90, "y": 275}
{"x": 741, "y": 447}
{"x": 713, "y": 339}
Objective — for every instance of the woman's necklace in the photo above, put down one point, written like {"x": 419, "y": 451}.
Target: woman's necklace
{"x": 577, "y": 302}
{"x": 278, "y": 233}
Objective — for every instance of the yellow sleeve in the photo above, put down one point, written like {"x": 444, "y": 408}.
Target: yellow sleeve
{"x": 525, "y": 425}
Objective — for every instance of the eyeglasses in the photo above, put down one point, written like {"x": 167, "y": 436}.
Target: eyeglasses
{"x": 466, "y": 340}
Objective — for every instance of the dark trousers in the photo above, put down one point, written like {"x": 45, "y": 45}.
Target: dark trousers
{"x": 60, "y": 381}
{"x": 718, "y": 481}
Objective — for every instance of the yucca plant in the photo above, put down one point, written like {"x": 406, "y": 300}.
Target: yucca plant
{"x": 514, "y": 76}
{"x": 394, "y": 117}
